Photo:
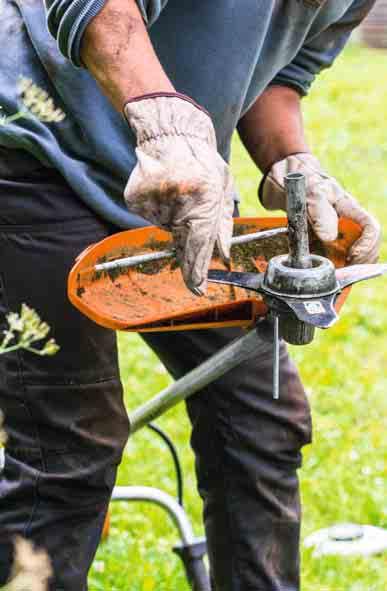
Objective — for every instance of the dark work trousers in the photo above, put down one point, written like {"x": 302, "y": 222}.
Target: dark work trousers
{"x": 67, "y": 424}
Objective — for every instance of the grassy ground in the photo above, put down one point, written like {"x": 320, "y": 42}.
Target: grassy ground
{"x": 344, "y": 370}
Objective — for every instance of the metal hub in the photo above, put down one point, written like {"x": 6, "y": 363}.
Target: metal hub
{"x": 281, "y": 279}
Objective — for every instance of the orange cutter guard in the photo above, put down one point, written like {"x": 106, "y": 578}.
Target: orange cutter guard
{"x": 153, "y": 297}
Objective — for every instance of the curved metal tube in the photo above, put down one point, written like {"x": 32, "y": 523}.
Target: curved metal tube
{"x": 157, "y": 497}
{"x": 248, "y": 345}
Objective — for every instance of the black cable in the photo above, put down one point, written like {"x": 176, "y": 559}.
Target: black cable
{"x": 175, "y": 457}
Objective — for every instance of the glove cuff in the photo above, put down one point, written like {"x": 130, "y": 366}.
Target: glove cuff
{"x": 152, "y": 116}
{"x": 180, "y": 95}
{"x": 270, "y": 176}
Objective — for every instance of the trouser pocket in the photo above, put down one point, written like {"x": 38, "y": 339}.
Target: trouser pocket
{"x": 64, "y": 415}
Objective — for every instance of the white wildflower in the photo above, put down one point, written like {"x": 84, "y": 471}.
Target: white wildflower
{"x": 24, "y": 330}
{"x": 35, "y": 102}
{"x": 31, "y": 570}
{"x": 38, "y": 101}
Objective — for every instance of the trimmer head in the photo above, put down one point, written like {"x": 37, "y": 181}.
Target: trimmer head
{"x": 293, "y": 283}
{"x": 300, "y": 289}
{"x": 152, "y": 296}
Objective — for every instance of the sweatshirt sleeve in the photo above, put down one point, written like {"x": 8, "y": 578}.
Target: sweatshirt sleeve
{"x": 320, "y": 50}
{"x": 68, "y": 19}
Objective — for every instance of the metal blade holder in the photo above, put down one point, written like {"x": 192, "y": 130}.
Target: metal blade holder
{"x": 298, "y": 275}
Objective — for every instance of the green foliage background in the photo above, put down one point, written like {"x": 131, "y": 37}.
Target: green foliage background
{"x": 344, "y": 371}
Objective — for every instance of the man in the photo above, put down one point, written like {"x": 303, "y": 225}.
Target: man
{"x": 185, "y": 75}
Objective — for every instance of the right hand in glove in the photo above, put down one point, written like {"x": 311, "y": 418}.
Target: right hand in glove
{"x": 180, "y": 182}
{"x": 326, "y": 202}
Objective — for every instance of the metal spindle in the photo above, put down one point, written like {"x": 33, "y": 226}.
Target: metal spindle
{"x": 299, "y": 254}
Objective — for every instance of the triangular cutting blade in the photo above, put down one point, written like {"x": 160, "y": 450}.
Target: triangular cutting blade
{"x": 251, "y": 281}
{"x": 319, "y": 312}
{"x": 353, "y": 274}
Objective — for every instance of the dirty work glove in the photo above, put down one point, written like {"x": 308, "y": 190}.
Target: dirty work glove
{"x": 180, "y": 182}
{"x": 326, "y": 202}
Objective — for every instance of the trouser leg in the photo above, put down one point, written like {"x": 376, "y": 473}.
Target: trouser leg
{"x": 248, "y": 450}
{"x": 64, "y": 415}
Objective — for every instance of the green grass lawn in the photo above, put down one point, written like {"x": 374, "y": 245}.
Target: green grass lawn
{"x": 344, "y": 371}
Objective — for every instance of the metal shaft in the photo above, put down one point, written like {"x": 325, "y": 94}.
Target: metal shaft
{"x": 240, "y": 350}
{"x": 299, "y": 254}
{"x": 165, "y": 254}
{"x": 276, "y": 358}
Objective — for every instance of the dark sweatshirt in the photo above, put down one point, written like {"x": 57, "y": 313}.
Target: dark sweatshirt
{"x": 222, "y": 53}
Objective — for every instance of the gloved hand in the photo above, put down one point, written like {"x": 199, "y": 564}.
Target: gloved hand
{"x": 326, "y": 202}
{"x": 180, "y": 182}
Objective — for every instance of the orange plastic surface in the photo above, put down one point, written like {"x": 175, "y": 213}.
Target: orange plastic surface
{"x": 106, "y": 527}
{"x": 153, "y": 297}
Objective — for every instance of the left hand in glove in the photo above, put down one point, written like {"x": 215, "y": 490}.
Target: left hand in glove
{"x": 326, "y": 202}
{"x": 180, "y": 182}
